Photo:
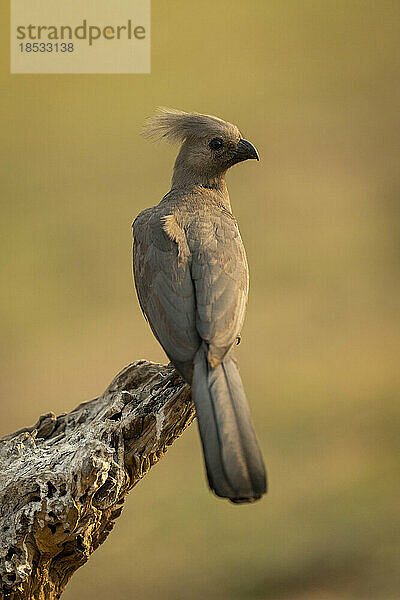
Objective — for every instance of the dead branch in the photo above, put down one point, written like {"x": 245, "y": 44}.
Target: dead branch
{"x": 64, "y": 481}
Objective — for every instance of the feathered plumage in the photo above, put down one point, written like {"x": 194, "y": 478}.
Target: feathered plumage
{"x": 191, "y": 276}
{"x": 176, "y": 126}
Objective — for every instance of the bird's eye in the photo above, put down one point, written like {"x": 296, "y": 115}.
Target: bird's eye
{"x": 216, "y": 143}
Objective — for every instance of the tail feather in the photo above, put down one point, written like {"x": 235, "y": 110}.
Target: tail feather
{"x": 234, "y": 463}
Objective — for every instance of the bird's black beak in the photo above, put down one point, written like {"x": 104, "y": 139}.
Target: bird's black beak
{"x": 245, "y": 150}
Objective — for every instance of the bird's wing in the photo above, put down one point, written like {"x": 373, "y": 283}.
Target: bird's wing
{"x": 220, "y": 275}
{"x": 191, "y": 279}
{"x": 161, "y": 266}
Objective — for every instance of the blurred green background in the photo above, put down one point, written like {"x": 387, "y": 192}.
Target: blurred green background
{"x": 315, "y": 86}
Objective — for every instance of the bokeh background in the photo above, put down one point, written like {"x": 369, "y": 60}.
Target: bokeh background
{"x": 315, "y": 85}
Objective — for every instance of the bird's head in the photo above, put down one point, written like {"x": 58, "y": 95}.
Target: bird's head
{"x": 209, "y": 145}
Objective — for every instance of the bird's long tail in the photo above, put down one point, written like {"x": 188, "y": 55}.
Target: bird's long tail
{"x": 235, "y": 467}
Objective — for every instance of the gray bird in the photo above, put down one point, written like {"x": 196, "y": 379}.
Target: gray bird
{"x": 191, "y": 278}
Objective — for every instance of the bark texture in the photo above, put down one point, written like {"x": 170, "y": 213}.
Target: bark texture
{"x": 64, "y": 481}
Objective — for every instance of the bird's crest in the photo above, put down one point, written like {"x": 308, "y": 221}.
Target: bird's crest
{"x": 176, "y": 125}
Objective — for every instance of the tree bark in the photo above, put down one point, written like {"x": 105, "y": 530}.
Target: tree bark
{"x": 64, "y": 481}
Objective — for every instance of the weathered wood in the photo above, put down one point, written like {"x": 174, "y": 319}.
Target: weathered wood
{"x": 64, "y": 481}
